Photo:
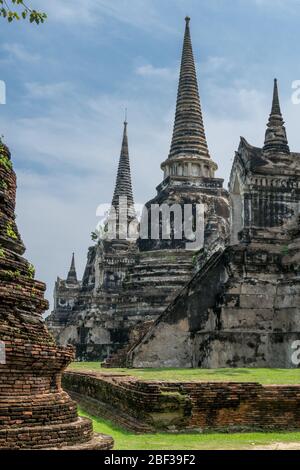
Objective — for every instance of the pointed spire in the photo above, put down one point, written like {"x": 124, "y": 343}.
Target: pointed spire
{"x": 9, "y": 236}
{"x": 275, "y": 103}
{"x": 72, "y": 276}
{"x": 276, "y": 138}
{"x": 188, "y": 134}
{"x": 123, "y": 186}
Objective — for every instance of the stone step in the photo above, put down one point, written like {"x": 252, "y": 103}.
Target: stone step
{"x": 163, "y": 262}
{"x": 168, "y": 256}
{"x": 160, "y": 272}
{"x": 166, "y": 283}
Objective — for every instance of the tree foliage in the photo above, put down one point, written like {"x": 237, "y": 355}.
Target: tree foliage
{"x": 18, "y": 9}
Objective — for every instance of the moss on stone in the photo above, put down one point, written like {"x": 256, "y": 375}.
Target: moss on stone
{"x": 31, "y": 271}
{"x": 10, "y": 232}
{"x": 11, "y": 274}
{"x": 5, "y": 162}
{"x": 3, "y": 185}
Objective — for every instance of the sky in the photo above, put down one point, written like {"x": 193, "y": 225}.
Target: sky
{"x": 69, "y": 81}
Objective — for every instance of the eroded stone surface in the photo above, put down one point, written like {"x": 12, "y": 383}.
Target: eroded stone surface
{"x": 242, "y": 307}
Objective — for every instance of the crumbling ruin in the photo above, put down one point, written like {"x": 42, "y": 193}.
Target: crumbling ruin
{"x": 241, "y": 309}
{"x": 159, "y": 303}
{"x": 127, "y": 283}
{"x": 35, "y": 412}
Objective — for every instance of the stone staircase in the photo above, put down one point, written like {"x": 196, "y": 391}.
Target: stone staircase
{"x": 152, "y": 284}
{"x": 149, "y": 288}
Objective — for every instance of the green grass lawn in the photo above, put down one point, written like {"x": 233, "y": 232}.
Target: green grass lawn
{"x": 263, "y": 376}
{"x": 125, "y": 440}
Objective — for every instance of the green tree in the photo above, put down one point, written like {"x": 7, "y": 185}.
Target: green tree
{"x": 18, "y": 9}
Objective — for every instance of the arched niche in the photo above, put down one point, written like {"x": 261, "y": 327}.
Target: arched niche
{"x": 195, "y": 169}
{"x": 206, "y": 172}
{"x": 237, "y": 211}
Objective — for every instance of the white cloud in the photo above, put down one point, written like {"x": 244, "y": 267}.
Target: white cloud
{"x": 19, "y": 52}
{"x": 66, "y": 160}
{"x": 275, "y": 7}
{"x": 149, "y": 15}
{"x": 48, "y": 90}
{"x": 275, "y": 3}
{"x": 68, "y": 11}
{"x": 215, "y": 64}
{"x": 149, "y": 70}
{"x": 237, "y": 101}
{"x": 143, "y": 14}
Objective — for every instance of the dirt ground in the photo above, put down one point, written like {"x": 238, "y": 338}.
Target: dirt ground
{"x": 279, "y": 446}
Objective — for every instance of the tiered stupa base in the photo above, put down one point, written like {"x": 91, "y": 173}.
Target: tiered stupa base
{"x": 78, "y": 435}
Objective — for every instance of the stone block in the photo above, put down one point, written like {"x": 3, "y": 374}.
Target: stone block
{"x": 247, "y": 319}
{"x": 259, "y": 301}
{"x": 258, "y": 288}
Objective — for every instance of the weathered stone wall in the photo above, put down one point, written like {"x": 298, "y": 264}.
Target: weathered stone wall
{"x": 169, "y": 342}
{"x": 184, "y": 406}
{"x": 238, "y": 311}
{"x": 119, "y": 358}
{"x": 103, "y": 317}
{"x": 244, "y": 311}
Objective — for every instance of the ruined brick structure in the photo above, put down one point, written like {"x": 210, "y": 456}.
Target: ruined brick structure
{"x": 242, "y": 308}
{"x": 153, "y": 406}
{"x": 128, "y": 283}
{"x": 233, "y": 303}
{"x": 35, "y": 412}
{"x": 92, "y": 325}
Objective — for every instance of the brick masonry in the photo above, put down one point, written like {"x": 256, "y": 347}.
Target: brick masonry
{"x": 188, "y": 406}
{"x": 35, "y": 412}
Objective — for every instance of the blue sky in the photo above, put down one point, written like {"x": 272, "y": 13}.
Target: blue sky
{"x": 69, "y": 81}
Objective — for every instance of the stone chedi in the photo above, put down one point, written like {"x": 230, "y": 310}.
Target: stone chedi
{"x": 242, "y": 308}
{"x": 127, "y": 284}
{"x": 35, "y": 412}
{"x": 122, "y": 217}
{"x": 189, "y": 171}
{"x": 65, "y": 293}
{"x": 84, "y": 311}
{"x": 166, "y": 261}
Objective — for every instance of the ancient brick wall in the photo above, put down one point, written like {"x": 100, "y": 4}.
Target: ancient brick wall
{"x": 172, "y": 406}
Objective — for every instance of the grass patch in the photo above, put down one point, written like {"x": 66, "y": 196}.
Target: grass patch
{"x": 125, "y": 440}
{"x": 263, "y": 376}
